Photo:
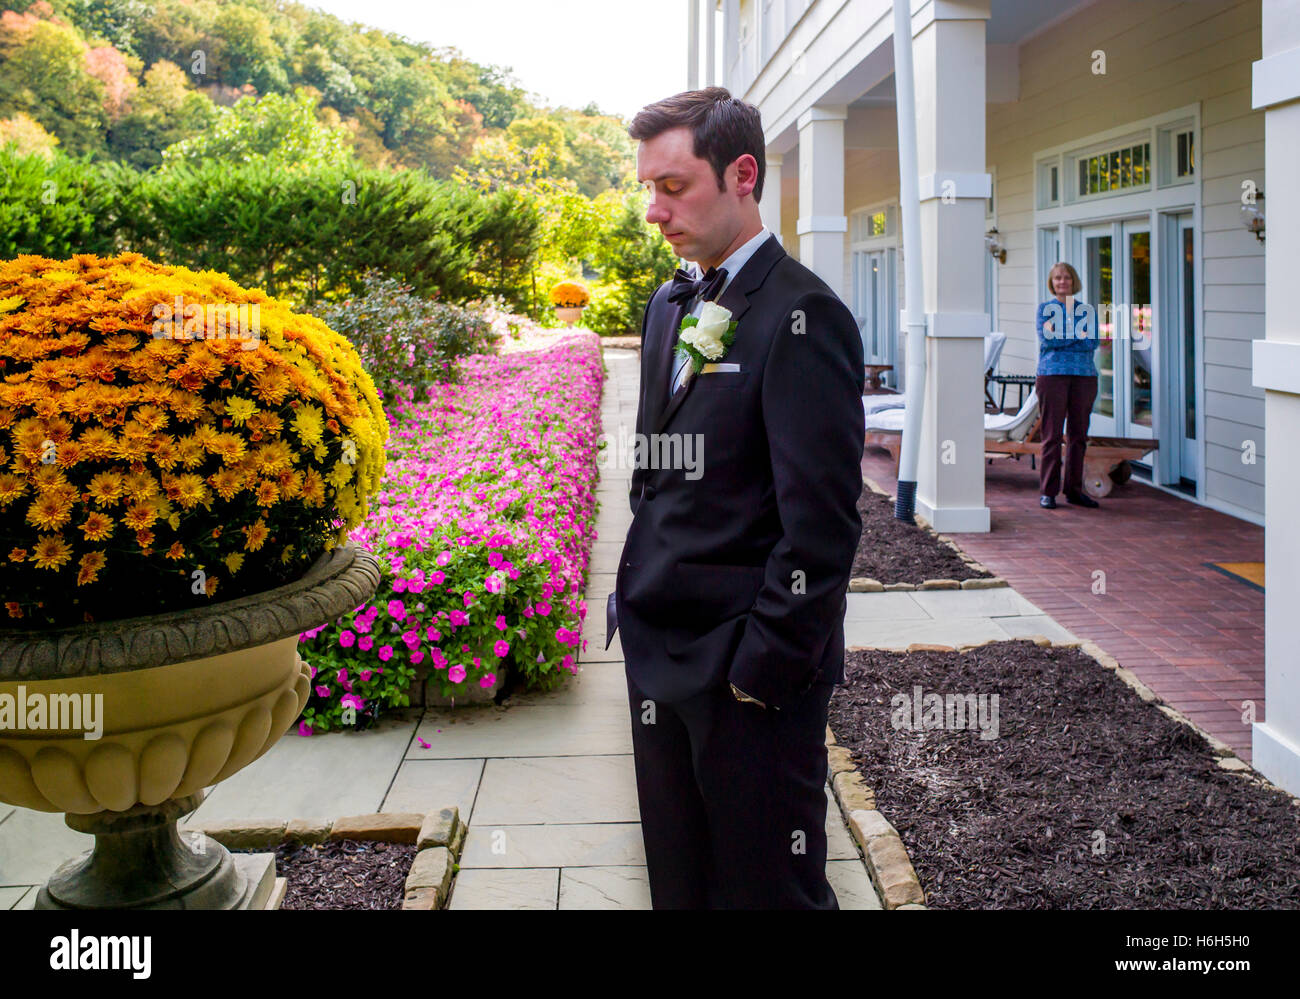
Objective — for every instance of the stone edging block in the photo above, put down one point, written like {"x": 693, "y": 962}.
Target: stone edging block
{"x": 438, "y": 836}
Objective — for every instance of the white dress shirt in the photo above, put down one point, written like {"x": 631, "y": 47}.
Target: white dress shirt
{"x": 732, "y": 266}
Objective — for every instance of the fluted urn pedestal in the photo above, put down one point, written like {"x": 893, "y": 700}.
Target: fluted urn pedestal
{"x": 183, "y": 700}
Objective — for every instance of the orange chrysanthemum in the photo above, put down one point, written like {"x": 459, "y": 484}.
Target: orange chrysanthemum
{"x": 90, "y": 565}
{"x": 255, "y": 536}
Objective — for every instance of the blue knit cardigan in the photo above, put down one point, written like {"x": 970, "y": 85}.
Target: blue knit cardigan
{"x": 1067, "y": 348}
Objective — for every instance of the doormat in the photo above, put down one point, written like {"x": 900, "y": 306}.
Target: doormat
{"x": 1250, "y": 573}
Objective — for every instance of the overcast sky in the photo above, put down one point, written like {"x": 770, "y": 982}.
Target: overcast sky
{"x": 622, "y": 54}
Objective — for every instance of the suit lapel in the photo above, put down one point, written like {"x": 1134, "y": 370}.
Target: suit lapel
{"x": 735, "y": 299}
{"x": 663, "y": 368}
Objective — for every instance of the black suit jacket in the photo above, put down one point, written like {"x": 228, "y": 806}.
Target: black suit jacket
{"x": 736, "y": 570}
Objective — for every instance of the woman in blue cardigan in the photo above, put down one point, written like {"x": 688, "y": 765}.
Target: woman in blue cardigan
{"x": 1066, "y": 384}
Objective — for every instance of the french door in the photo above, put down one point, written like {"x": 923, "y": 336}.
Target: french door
{"x": 876, "y": 307}
{"x": 1116, "y": 274}
{"x": 1182, "y": 341}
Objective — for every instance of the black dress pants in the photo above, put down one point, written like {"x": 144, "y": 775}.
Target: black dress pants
{"x": 733, "y": 801}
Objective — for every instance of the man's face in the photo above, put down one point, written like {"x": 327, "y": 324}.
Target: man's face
{"x": 697, "y": 219}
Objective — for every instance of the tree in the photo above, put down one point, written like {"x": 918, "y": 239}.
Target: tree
{"x": 163, "y": 112}
{"x": 248, "y": 52}
{"x": 25, "y": 136}
{"x": 282, "y": 132}
{"x": 43, "y": 74}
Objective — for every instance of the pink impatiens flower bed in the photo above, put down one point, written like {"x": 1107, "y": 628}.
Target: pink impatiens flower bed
{"x": 483, "y": 527}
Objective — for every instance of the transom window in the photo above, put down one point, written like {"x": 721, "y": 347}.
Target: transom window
{"x": 870, "y": 223}
{"x": 1126, "y": 167}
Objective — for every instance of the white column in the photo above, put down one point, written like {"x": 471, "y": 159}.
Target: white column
{"x": 822, "y": 223}
{"x": 1275, "y": 741}
{"x": 769, "y": 209}
{"x": 948, "y": 66}
{"x": 693, "y": 44}
{"x": 710, "y": 41}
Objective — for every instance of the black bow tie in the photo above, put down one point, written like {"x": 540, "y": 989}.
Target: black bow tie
{"x": 685, "y": 287}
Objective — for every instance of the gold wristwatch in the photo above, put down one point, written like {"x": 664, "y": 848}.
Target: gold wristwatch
{"x": 744, "y": 698}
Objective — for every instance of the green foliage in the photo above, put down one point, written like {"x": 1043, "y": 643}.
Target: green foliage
{"x": 113, "y": 21}
{"x": 53, "y": 208}
{"x": 43, "y": 74}
{"x": 636, "y": 256}
{"x": 246, "y": 51}
{"x": 164, "y": 112}
{"x": 311, "y": 235}
{"x": 510, "y": 236}
{"x": 406, "y": 343}
{"x": 276, "y": 131}
{"x": 607, "y": 313}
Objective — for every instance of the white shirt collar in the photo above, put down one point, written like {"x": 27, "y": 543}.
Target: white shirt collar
{"x": 738, "y": 259}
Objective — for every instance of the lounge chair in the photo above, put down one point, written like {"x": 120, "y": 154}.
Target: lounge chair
{"x": 1105, "y": 461}
{"x": 993, "y": 344}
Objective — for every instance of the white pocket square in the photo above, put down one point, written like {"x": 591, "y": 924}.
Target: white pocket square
{"x": 719, "y": 367}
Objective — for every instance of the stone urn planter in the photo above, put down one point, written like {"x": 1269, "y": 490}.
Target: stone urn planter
{"x": 568, "y": 315}
{"x": 182, "y": 700}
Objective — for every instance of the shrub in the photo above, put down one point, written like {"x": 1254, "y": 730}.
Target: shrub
{"x": 406, "y": 343}
{"x": 151, "y": 464}
{"x": 607, "y": 314}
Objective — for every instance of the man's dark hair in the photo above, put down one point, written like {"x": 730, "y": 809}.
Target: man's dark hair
{"x": 724, "y": 128}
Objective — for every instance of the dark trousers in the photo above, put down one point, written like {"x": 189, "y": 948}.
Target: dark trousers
{"x": 733, "y": 801}
{"x": 1065, "y": 402}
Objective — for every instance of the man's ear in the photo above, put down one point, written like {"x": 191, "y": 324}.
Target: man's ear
{"x": 746, "y": 168}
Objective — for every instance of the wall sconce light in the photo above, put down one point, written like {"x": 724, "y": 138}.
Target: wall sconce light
{"x": 995, "y": 248}
{"x": 1252, "y": 215}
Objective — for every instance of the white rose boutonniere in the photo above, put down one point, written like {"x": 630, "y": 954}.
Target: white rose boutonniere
{"x": 706, "y": 338}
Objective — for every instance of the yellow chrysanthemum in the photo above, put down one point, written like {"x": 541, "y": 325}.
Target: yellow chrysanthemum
{"x": 51, "y": 552}
{"x": 309, "y": 424}
{"x": 240, "y": 409}
{"x": 139, "y": 516}
{"x": 105, "y": 488}
{"x": 234, "y": 562}
{"x": 49, "y": 512}
{"x": 96, "y": 526}
{"x": 140, "y": 486}
{"x": 11, "y": 487}
{"x": 267, "y": 493}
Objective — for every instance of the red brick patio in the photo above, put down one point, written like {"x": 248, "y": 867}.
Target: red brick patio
{"x": 1192, "y": 634}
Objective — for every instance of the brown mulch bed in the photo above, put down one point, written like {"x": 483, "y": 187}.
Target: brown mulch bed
{"x": 1088, "y": 798}
{"x": 890, "y": 551}
{"x": 344, "y": 874}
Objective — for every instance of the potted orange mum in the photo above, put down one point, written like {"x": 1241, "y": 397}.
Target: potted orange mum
{"x": 180, "y": 460}
{"x": 569, "y": 299}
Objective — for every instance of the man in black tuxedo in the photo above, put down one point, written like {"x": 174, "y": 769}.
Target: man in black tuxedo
{"x": 731, "y": 587}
